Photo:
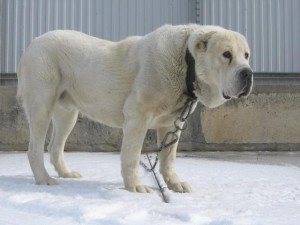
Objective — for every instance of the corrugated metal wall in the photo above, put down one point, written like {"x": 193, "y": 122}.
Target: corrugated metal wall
{"x": 23, "y": 20}
{"x": 271, "y": 26}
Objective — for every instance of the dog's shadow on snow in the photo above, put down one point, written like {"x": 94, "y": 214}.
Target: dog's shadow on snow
{"x": 66, "y": 187}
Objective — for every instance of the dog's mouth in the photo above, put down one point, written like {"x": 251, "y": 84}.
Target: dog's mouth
{"x": 226, "y": 96}
{"x": 245, "y": 91}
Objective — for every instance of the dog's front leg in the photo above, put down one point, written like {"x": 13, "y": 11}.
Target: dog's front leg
{"x": 134, "y": 132}
{"x": 167, "y": 159}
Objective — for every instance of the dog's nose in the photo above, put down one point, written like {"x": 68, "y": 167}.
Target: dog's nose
{"x": 246, "y": 74}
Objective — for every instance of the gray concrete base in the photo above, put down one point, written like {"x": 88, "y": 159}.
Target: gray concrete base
{"x": 264, "y": 157}
{"x": 268, "y": 120}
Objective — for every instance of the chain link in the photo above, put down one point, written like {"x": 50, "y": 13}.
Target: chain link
{"x": 172, "y": 137}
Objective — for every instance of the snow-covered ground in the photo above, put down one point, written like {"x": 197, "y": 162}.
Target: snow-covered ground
{"x": 224, "y": 193}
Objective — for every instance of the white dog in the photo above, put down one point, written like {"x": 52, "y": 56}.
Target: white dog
{"x": 137, "y": 84}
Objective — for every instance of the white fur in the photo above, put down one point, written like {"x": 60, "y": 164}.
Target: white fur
{"x": 137, "y": 84}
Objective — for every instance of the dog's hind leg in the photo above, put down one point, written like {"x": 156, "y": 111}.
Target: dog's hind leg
{"x": 38, "y": 108}
{"x": 63, "y": 121}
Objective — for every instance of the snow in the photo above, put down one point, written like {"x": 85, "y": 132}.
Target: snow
{"x": 224, "y": 193}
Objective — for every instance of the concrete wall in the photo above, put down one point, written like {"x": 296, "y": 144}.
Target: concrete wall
{"x": 86, "y": 136}
{"x": 267, "y": 120}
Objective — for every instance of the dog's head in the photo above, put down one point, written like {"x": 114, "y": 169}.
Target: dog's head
{"x": 222, "y": 65}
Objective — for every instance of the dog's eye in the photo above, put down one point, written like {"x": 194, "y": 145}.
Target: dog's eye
{"x": 227, "y": 55}
{"x": 246, "y": 55}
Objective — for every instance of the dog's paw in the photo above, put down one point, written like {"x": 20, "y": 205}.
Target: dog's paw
{"x": 139, "y": 188}
{"x": 47, "y": 181}
{"x": 181, "y": 187}
{"x": 72, "y": 174}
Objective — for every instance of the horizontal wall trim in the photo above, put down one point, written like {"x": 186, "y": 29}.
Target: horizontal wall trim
{"x": 258, "y": 75}
{"x": 288, "y": 82}
{"x": 277, "y": 75}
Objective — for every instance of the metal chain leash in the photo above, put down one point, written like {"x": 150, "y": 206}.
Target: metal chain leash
{"x": 172, "y": 137}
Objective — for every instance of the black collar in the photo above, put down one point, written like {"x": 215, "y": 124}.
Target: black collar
{"x": 190, "y": 74}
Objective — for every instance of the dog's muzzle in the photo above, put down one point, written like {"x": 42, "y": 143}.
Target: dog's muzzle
{"x": 243, "y": 85}
{"x": 246, "y": 80}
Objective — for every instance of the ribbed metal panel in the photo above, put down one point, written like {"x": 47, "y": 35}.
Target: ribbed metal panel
{"x": 271, "y": 26}
{"x": 23, "y": 20}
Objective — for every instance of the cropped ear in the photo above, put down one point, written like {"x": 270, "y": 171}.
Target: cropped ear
{"x": 198, "y": 41}
{"x": 203, "y": 40}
